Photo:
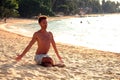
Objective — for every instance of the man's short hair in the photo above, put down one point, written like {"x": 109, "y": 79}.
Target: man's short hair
{"x": 41, "y": 18}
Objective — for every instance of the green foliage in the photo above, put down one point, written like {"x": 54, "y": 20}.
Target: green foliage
{"x": 109, "y": 6}
{"x": 30, "y": 8}
{"x": 63, "y": 8}
{"x": 96, "y": 6}
{"x": 8, "y": 8}
{"x": 46, "y": 11}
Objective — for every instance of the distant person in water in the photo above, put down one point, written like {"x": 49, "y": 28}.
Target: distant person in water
{"x": 44, "y": 39}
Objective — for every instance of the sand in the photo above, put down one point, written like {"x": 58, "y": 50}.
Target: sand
{"x": 81, "y": 63}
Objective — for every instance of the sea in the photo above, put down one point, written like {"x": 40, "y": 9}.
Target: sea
{"x": 97, "y": 32}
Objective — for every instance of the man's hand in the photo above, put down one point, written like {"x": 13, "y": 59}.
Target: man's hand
{"x": 60, "y": 58}
{"x": 60, "y": 65}
{"x": 18, "y": 58}
{"x": 61, "y": 61}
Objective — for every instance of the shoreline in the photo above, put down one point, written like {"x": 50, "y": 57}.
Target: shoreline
{"x": 81, "y": 63}
{"x": 12, "y": 21}
{"x": 67, "y": 44}
{"x": 19, "y": 20}
{"x": 59, "y": 43}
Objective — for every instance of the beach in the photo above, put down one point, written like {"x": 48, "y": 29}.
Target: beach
{"x": 82, "y": 63}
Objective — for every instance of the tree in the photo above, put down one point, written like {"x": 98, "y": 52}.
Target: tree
{"x": 72, "y": 6}
{"x": 65, "y": 6}
{"x": 8, "y": 8}
{"x": 109, "y": 7}
{"x": 46, "y": 7}
{"x": 30, "y": 8}
{"x": 117, "y": 7}
{"x": 96, "y": 7}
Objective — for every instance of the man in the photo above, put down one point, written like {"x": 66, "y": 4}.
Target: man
{"x": 44, "y": 39}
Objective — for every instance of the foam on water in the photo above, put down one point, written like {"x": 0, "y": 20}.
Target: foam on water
{"x": 102, "y": 33}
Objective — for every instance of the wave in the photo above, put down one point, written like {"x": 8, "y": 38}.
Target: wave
{"x": 100, "y": 33}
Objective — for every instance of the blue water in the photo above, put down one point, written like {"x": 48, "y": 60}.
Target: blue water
{"x": 102, "y": 32}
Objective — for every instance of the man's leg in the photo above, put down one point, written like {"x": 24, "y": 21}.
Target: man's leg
{"x": 47, "y": 62}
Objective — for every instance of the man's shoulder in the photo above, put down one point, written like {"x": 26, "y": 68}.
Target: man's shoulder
{"x": 50, "y": 32}
{"x": 36, "y": 33}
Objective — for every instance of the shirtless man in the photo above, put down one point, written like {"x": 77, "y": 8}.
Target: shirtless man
{"x": 44, "y": 39}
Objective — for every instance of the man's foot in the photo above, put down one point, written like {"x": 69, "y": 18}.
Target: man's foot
{"x": 60, "y": 65}
{"x": 47, "y": 65}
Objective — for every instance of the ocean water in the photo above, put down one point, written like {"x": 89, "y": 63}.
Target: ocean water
{"x": 101, "y": 33}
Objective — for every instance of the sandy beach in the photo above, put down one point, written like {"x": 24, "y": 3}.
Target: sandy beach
{"x": 81, "y": 63}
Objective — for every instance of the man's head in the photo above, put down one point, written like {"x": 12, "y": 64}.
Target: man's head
{"x": 43, "y": 22}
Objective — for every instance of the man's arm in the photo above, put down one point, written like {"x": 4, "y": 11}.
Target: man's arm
{"x": 28, "y": 47}
{"x": 55, "y": 48}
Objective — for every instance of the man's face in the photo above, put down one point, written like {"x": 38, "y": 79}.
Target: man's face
{"x": 43, "y": 24}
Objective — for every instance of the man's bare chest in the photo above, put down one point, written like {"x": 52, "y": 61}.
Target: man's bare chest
{"x": 44, "y": 37}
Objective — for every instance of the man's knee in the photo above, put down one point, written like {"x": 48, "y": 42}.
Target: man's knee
{"x": 47, "y": 62}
